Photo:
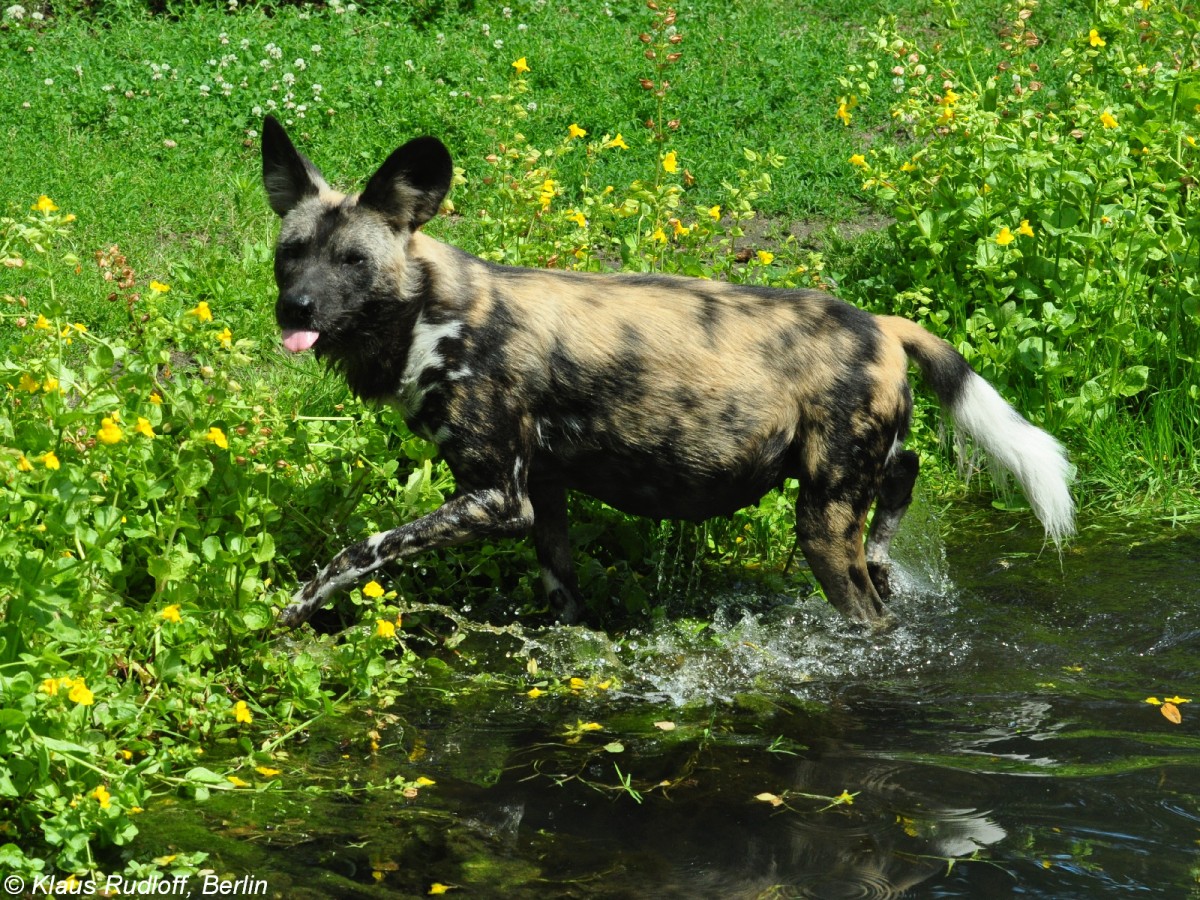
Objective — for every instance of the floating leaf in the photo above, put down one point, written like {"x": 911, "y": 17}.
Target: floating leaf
{"x": 767, "y": 797}
{"x": 665, "y": 726}
{"x": 1171, "y": 712}
{"x": 615, "y": 747}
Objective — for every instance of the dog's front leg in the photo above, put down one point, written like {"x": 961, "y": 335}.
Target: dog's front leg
{"x": 488, "y": 513}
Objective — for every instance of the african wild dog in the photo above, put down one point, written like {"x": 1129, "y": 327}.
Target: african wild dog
{"x": 662, "y": 396}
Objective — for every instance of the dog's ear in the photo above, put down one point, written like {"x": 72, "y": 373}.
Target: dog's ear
{"x": 287, "y": 173}
{"x": 410, "y": 186}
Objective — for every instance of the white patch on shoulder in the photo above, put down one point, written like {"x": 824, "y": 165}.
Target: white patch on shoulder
{"x": 423, "y": 355}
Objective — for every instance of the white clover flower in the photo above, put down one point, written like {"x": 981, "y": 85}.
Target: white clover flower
{"x": 289, "y": 79}
{"x": 204, "y": 89}
{"x": 522, "y": 27}
{"x": 441, "y": 38}
{"x": 378, "y": 83}
{"x": 532, "y": 107}
{"x": 48, "y": 82}
{"x": 15, "y": 12}
{"x": 257, "y": 112}
{"x": 487, "y": 29}
{"x": 498, "y": 43}
{"x": 316, "y": 89}
{"x": 245, "y": 43}
{"x": 506, "y": 12}
{"x": 315, "y": 49}
{"x": 300, "y": 64}
{"x": 410, "y": 65}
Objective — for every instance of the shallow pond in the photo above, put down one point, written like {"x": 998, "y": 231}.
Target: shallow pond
{"x": 996, "y": 744}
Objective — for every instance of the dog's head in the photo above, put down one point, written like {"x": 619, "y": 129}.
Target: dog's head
{"x": 339, "y": 257}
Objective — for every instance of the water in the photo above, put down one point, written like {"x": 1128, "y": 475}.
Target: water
{"x": 996, "y": 744}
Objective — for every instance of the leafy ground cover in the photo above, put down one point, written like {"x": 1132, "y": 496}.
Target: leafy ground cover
{"x": 165, "y": 471}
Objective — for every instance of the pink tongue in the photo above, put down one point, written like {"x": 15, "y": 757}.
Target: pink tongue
{"x": 299, "y": 341}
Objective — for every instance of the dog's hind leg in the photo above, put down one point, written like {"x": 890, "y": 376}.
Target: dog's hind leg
{"x": 895, "y": 495}
{"x": 831, "y": 535}
{"x": 486, "y": 513}
{"x": 554, "y": 550}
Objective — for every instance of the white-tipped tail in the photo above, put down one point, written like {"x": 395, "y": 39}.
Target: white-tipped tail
{"x": 1030, "y": 455}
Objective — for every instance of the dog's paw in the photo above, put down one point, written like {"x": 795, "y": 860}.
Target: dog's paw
{"x": 295, "y": 614}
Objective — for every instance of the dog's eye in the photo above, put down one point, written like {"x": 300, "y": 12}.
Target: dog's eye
{"x": 353, "y": 258}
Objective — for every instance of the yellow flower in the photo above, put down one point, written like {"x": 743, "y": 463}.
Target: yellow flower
{"x": 165, "y": 860}
{"x": 1107, "y": 119}
{"x": 372, "y": 590}
{"x": 577, "y": 684}
{"x": 44, "y": 205}
{"x": 201, "y": 312}
{"x": 618, "y": 141}
{"x": 80, "y": 693}
{"x": 680, "y": 228}
{"x": 714, "y": 213}
{"x": 670, "y": 163}
{"x": 266, "y": 772}
{"x": 844, "y": 797}
{"x": 591, "y": 726}
{"x": 23, "y": 464}
{"x": 578, "y": 218}
{"x": 241, "y": 713}
{"x": 949, "y": 98}
{"x": 946, "y": 115}
{"x": 217, "y": 436}
{"x": 574, "y": 131}
{"x": 101, "y": 794}
{"x": 766, "y": 257}
{"x": 1025, "y": 228}
{"x": 422, "y": 781}
{"x": 171, "y": 613}
{"x": 384, "y": 629}
{"x": 42, "y": 323}
{"x": 1191, "y": 140}
{"x": 143, "y": 427}
{"x": 1094, "y": 38}
{"x": 908, "y": 167}
{"x": 126, "y": 755}
{"x": 50, "y": 460}
{"x": 547, "y": 193}
{"x": 1177, "y": 699}
{"x": 522, "y": 66}
{"x": 858, "y": 160}
{"x": 225, "y": 337}
{"x": 109, "y": 432}
{"x": 158, "y": 287}
{"x": 1154, "y": 701}
{"x": 659, "y": 235}
{"x": 843, "y": 113}
{"x": 28, "y": 383}
{"x": 236, "y": 782}
{"x": 50, "y": 384}
{"x": 50, "y": 686}
{"x": 156, "y": 398}
{"x": 534, "y": 693}
{"x": 1005, "y": 237}
{"x": 438, "y": 888}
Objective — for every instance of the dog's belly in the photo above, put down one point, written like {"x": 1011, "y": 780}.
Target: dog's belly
{"x": 658, "y": 488}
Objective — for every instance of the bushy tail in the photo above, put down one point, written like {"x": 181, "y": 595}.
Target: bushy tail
{"x": 1035, "y": 459}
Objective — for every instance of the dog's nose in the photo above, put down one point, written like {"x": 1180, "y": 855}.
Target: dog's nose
{"x": 295, "y": 309}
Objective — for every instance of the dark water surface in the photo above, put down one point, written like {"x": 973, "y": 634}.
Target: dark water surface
{"x": 997, "y": 744}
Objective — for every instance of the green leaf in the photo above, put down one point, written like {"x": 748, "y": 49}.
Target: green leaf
{"x": 11, "y": 719}
{"x": 1134, "y": 380}
{"x": 193, "y": 476}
